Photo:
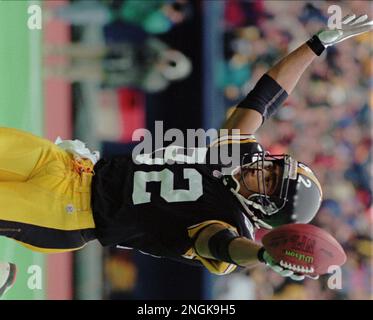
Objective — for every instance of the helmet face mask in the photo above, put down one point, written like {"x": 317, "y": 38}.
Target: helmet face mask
{"x": 275, "y": 201}
{"x": 281, "y": 206}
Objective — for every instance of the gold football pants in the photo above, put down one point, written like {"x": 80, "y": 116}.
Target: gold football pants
{"x": 44, "y": 194}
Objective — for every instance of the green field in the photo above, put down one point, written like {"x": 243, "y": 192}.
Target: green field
{"x": 21, "y": 106}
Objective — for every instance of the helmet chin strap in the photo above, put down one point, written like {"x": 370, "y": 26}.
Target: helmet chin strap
{"x": 238, "y": 186}
{"x": 245, "y": 202}
{"x": 257, "y": 222}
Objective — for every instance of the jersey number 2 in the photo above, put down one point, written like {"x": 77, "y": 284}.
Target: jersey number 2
{"x": 168, "y": 193}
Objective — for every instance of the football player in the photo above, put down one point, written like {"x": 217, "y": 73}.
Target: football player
{"x": 56, "y": 198}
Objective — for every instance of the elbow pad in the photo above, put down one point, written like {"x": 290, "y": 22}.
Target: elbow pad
{"x": 266, "y": 97}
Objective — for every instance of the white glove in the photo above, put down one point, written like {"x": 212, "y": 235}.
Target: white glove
{"x": 352, "y": 26}
{"x": 282, "y": 271}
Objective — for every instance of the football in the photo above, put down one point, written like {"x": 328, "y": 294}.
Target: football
{"x": 304, "y": 248}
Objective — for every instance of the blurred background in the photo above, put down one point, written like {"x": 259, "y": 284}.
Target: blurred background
{"x": 100, "y": 69}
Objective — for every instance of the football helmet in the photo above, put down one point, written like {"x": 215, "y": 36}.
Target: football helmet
{"x": 297, "y": 196}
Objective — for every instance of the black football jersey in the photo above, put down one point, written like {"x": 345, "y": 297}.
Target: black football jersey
{"x": 150, "y": 205}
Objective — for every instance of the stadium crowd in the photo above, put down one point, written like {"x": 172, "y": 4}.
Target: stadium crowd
{"x": 325, "y": 123}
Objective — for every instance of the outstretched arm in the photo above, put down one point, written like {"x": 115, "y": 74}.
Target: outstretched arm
{"x": 220, "y": 243}
{"x": 275, "y": 86}
{"x": 286, "y": 73}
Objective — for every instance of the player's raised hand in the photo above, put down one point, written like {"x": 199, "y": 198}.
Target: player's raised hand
{"x": 351, "y": 26}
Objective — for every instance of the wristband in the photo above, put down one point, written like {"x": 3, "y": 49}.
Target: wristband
{"x": 219, "y": 244}
{"x": 316, "y": 45}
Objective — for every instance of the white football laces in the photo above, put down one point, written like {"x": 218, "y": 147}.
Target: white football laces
{"x": 297, "y": 268}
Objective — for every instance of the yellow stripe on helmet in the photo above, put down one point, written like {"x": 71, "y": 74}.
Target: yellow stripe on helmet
{"x": 231, "y": 141}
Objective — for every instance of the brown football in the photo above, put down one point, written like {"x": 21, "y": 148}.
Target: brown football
{"x": 304, "y": 248}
